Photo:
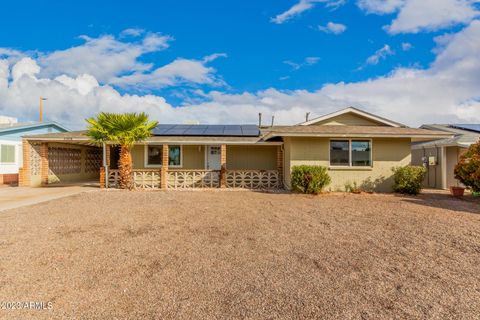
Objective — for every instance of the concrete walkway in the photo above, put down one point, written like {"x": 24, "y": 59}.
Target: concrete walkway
{"x": 15, "y": 197}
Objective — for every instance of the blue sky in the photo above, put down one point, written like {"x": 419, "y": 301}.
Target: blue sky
{"x": 225, "y": 61}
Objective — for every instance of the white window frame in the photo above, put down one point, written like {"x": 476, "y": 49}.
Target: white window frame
{"x": 350, "y": 153}
{"x": 145, "y": 155}
{"x": 15, "y": 153}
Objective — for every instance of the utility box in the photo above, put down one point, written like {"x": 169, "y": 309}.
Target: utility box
{"x": 432, "y": 161}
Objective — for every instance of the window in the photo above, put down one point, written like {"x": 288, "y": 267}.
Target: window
{"x": 339, "y": 153}
{"x": 174, "y": 158}
{"x": 361, "y": 153}
{"x": 355, "y": 153}
{"x": 154, "y": 155}
{"x": 7, "y": 153}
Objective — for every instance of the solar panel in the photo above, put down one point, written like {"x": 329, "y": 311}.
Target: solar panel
{"x": 469, "y": 127}
{"x": 206, "y": 130}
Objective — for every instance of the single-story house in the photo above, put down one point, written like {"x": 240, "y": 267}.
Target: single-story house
{"x": 354, "y": 145}
{"x": 11, "y": 132}
{"x": 441, "y": 156}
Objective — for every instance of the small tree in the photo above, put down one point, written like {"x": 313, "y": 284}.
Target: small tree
{"x": 121, "y": 129}
{"x": 467, "y": 170}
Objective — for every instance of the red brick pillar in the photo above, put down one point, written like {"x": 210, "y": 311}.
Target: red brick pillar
{"x": 44, "y": 163}
{"x": 223, "y": 166}
{"x": 102, "y": 177}
{"x": 24, "y": 173}
{"x": 280, "y": 165}
{"x": 164, "y": 169}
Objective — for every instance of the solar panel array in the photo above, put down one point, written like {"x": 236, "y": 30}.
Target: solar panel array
{"x": 469, "y": 127}
{"x": 206, "y": 130}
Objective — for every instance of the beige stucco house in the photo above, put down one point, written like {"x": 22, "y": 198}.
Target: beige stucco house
{"x": 354, "y": 145}
{"x": 441, "y": 156}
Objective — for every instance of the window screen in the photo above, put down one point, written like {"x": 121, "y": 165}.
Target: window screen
{"x": 154, "y": 155}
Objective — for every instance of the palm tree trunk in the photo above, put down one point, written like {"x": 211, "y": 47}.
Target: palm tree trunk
{"x": 125, "y": 168}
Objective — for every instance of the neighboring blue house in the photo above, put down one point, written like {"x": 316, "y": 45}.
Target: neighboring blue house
{"x": 11, "y": 133}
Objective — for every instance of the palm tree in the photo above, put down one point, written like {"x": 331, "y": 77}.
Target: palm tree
{"x": 124, "y": 129}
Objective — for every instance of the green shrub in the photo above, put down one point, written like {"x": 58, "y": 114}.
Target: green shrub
{"x": 309, "y": 179}
{"x": 467, "y": 170}
{"x": 408, "y": 179}
{"x": 352, "y": 187}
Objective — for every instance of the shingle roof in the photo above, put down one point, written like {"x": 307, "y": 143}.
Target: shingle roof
{"x": 340, "y": 131}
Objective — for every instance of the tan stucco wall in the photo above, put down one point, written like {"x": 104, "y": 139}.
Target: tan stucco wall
{"x": 252, "y": 157}
{"x": 193, "y": 157}
{"x": 348, "y": 119}
{"x": 386, "y": 153}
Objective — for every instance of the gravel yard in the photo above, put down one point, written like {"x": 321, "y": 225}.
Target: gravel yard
{"x": 217, "y": 255}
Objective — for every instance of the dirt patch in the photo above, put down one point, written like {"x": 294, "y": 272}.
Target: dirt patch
{"x": 215, "y": 255}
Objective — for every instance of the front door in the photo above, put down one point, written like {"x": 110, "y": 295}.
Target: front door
{"x": 213, "y": 158}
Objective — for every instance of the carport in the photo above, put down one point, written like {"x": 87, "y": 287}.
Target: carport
{"x": 63, "y": 158}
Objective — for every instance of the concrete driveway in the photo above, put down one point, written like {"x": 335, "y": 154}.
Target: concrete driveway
{"x": 14, "y": 197}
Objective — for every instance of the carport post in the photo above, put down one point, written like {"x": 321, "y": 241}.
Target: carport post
{"x": 105, "y": 165}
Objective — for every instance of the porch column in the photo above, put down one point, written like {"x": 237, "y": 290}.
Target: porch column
{"x": 443, "y": 167}
{"x": 24, "y": 176}
{"x": 103, "y": 174}
{"x": 223, "y": 166}
{"x": 164, "y": 169}
{"x": 44, "y": 163}
{"x": 280, "y": 165}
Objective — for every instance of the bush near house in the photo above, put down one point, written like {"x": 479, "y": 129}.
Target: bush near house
{"x": 408, "y": 179}
{"x": 467, "y": 170}
{"x": 310, "y": 179}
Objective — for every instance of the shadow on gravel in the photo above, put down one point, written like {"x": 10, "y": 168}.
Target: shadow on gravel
{"x": 467, "y": 203}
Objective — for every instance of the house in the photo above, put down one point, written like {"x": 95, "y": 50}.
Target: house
{"x": 11, "y": 132}
{"x": 354, "y": 145}
{"x": 441, "y": 156}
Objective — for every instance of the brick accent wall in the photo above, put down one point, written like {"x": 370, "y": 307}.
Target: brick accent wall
{"x": 164, "y": 169}
{"x": 44, "y": 171}
{"x": 280, "y": 164}
{"x": 223, "y": 166}
{"x": 24, "y": 172}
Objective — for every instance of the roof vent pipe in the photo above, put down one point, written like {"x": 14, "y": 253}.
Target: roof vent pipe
{"x": 260, "y": 119}
{"x": 273, "y": 120}
{"x": 306, "y": 116}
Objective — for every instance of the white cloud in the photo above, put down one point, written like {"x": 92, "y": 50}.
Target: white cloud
{"x": 406, "y": 46}
{"x": 25, "y": 67}
{"x": 429, "y": 15}
{"x": 335, "y": 28}
{"x": 105, "y": 57}
{"x": 380, "y": 6}
{"x": 422, "y": 15}
{"x": 446, "y": 91}
{"x": 308, "y": 61}
{"x": 115, "y": 62}
{"x": 132, "y": 32}
{"x": 380, "y": 54}
{"x": 180, "y": 71}
{"x": 302, "y": 6}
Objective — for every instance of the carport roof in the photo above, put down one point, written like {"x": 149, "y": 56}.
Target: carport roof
{"x": 81, "y": 137}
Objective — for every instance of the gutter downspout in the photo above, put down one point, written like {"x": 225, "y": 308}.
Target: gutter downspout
{"x": 105, "y": 163}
